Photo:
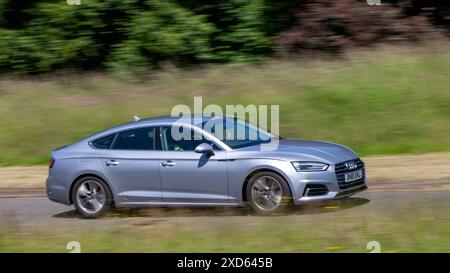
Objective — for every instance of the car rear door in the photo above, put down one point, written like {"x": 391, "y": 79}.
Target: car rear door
{"x": 132, "y": 165}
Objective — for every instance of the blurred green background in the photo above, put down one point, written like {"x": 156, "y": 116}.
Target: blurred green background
{"x": 39, "y": 36}
{"x": 375, "y": 78}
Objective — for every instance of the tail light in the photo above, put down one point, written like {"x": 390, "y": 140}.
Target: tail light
{"x": 51, "y": 163}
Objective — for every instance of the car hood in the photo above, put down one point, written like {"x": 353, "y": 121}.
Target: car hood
{"x": 306, "y": 150}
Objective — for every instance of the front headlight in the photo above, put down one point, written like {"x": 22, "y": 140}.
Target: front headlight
{"x": 303, "y": 166}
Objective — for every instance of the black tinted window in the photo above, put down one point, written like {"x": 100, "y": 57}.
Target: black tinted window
{"x": 136, "y": 139}
{"x": 104, "y": 142}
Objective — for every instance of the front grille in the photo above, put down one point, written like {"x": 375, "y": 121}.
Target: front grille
{"x": 315, "y": 190}
{"x": 341, "y": 169}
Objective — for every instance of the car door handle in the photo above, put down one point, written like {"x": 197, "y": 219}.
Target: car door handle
{"x": 168, "y": 163}
{"x": 112, "y": 163}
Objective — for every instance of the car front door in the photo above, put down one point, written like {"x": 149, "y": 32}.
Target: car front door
{"x": 132, "y": 166}
{"x": 190, "y": 177}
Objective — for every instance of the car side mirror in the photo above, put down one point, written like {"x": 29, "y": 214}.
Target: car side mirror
{"x": 204, "y": 148}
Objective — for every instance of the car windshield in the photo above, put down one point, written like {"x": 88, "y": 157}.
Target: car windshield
{"x": 236, "y": 133}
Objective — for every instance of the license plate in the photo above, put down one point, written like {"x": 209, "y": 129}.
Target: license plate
{"x": 352, "y": 176}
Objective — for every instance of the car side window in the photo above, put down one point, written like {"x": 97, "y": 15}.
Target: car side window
{"x": 172, "y": 143}
{"x": 104, "y": 142}
{"x": 135, "y": 139}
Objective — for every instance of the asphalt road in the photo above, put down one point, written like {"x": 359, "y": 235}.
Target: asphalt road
{"x": 31, "y": 212}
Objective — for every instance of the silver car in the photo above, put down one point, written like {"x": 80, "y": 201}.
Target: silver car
{"x": 142, "y": 163}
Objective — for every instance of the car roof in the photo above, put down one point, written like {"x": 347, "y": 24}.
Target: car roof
{"x": 170, "y": 119}
{"x": 186, "y": 119}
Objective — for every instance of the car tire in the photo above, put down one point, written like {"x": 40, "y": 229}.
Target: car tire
{"x": 268, "y": 194}
{"x": 91, "y": 197}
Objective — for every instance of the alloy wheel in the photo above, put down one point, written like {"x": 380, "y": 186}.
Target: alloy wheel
{"x": 267, "y": 193}
{"x": 91, "y": 196}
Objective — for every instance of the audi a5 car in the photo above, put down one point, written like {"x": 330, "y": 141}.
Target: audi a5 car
{"x": 146, "y": 163}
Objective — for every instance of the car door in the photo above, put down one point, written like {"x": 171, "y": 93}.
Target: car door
{"x": 132, "y": 165}
{"x": 190, "y": 177}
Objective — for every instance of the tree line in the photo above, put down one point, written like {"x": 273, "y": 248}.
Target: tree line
{"x": 40, "y": 36}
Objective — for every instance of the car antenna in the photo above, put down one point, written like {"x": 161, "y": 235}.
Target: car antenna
{"x": 136, "y": 118}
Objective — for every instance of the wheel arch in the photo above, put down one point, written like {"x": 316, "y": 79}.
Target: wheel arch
{"x": 74, "y": 181}
{"x": 260, "y": 170}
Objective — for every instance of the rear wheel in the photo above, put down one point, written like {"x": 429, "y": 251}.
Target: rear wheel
{"x": 91, "y": 197}
{"x": 268, "y": 193}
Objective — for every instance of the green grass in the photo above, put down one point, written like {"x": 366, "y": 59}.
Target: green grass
{"x": 387, "y": 101}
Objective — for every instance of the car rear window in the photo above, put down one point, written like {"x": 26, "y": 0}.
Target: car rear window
{"x": 135, "y": 139}
{"x": 103, "y": 143}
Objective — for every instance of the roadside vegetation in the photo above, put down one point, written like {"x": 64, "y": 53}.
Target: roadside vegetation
{"x": 379, "y": 101}
{"x": 45, "y": 36}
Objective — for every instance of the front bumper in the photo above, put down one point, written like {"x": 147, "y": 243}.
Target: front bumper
{"x": 330, "y": 195}
{"x": 331, "y": 188}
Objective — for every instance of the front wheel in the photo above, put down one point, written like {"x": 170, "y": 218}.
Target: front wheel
{"x": 91, "y": 197}
{"x": 268, "y": 194}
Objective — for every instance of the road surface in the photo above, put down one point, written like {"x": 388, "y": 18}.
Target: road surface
{"x": 34, "y": 212}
